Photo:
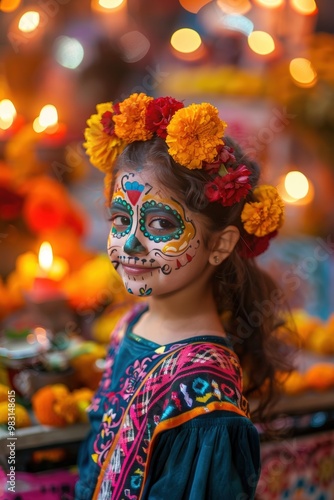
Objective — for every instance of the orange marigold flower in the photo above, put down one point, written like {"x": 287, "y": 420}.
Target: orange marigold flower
{"x": 130, "y": 122}
{"x": 194, "y": 133}
{"x": 67, "y": 408}
{"x": 102, "y": 148}
{"x": 44, "y": 403}
{"x": 264, "y": 215}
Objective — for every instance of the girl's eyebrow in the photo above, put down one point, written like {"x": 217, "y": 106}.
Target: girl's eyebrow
{"x": 117, "y": 205}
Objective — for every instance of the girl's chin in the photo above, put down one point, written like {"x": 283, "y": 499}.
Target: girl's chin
{"x": 137, "y": 289}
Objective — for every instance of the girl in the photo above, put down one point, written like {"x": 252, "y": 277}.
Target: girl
{"x": 170, "y": 416}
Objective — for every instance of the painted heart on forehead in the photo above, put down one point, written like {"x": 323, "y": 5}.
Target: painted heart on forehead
{"x": 133, "y": 190}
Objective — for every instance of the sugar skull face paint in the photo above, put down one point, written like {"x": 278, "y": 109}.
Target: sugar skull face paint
{"x": 154, "y": 243}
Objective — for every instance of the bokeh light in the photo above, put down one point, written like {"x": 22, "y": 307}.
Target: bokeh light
{"x": 261, "y": 42}
{"x": 296, "y": 184}
{"x": 271, "y": 4}
{"x": 302, "y": 72}
{"x": 185, "y": 40}
{"x": 37, "y": 127}
{"x": 48, "y": 116}
{"x": 7, "y": 114}
{"x": 306, "y": 7}
{"x": 69, "y": 52}
{"x": 29, "y": 21}
{"x": 9, "y": 5}
{"x": 111, "y": 4}
{"x": 193, "y": 6}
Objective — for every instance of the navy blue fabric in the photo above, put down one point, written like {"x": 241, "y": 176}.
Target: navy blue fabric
{"x": 212, "y": 457}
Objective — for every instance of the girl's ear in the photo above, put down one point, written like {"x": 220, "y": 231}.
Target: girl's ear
{"x": 223, "y": 244}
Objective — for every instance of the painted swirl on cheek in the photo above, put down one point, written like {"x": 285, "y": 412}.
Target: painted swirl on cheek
{"x": 179, "y": 246}
{"x": 166, "y": 269}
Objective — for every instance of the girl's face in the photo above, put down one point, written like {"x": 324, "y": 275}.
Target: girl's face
{"x": 155, "y": 243}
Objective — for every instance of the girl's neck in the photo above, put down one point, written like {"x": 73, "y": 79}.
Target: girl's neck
{"x": 176, "y": 317}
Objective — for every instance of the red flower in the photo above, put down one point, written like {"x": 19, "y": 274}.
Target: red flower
{"x": 159, "y": 113}
{"x": 224, "y": 156}
{"x": 229, "y": 188}
{"x": 252, "y": 246}
{"x": 107, "y": 121}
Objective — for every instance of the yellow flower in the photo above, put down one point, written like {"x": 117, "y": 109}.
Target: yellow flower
{"x": 130, "y": 123}
{"x": 194, "y": 133}
{"x": 264, "y": 215}
{"x": 101, "y": 147}
{"x": 22, "y": 418}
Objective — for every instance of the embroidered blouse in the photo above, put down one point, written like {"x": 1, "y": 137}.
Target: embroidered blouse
{"x": 169, "y": 420}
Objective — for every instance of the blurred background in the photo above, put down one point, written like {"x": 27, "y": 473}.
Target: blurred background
{"x": 268, "y": 65}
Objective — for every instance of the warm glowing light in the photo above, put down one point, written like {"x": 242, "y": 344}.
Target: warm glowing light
{"x": 305, "y": 7}
{"x": 7, "y": 109}
{"x": 41, "y": 335}
{"x": 48, "y": 116}
{"x": 110, "y": 4}
{"x": 29, "y": 21}
{"x": 302, "y": 72}
{"x": 38, "y": 128}
{"x": 186, "y": 40}
{"x": 6, "y": 123}
{"x": 234, "y": 6}
{"x": 193, "y": 6}
{"x": 9, "y": 5}
{"x": 261, "y": 42}
{"x": 45, "y": 256}
{"x": 271, "y": 4}
{"x": 7, "y": 114}
{"x": 296, "y": 184}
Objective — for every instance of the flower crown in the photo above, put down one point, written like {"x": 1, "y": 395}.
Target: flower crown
{"x": 193, "y": 135}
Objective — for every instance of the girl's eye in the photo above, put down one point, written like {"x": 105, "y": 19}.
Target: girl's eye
{"x": 160, "y": 224}
{"x": 121, "y": 222}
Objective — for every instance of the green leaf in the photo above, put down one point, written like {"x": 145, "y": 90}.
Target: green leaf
{"x": 222, "y": 170}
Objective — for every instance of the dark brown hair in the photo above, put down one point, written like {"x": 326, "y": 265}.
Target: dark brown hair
{"x": 251, "y": 305}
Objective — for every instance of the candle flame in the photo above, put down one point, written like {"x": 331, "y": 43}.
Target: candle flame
{"x": 45, "y": 256}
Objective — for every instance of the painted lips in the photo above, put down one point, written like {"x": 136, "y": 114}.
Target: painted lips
{"x": 137, "y": 270}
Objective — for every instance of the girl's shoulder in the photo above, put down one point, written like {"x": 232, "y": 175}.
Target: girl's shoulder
{"x": 200, "y": 375}
{"x": 129, "y": 318}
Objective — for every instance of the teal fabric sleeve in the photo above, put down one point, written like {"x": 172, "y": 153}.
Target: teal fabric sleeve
{"x": 213, "y": 457}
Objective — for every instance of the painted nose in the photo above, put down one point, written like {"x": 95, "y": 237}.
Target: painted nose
{"x": 133, "y": 246}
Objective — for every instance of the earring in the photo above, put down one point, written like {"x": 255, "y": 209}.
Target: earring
{"x": 216, "y": 259}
